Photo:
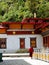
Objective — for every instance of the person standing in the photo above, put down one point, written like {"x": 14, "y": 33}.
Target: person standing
{"x": 31, "y": 50}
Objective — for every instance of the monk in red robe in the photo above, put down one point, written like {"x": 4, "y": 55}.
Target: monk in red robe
{"x": 31, "y": 50}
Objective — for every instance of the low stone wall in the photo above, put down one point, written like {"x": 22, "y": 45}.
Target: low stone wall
{"x": 41, "y": 55}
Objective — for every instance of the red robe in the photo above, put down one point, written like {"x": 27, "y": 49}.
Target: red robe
{"x": 31, "y": 51}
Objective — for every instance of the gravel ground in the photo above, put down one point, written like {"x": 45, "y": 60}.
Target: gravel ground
{"x": 14, "y": 62}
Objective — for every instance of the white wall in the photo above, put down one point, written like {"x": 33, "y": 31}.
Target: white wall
{"x": 39, "y": 41}
{"x": 13, "y": 41}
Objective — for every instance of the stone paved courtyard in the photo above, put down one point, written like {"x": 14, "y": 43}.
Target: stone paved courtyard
{"x": 22, "y": 61}
{"x": 14, "y": 62}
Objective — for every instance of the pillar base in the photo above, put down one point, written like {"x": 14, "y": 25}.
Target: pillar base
{"x": 1, "y": 60}
{"x": 1, "y": 57}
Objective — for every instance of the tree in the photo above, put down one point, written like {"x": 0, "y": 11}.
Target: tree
{"x": 43, "y": 10}
{"x": 16, "y": 10}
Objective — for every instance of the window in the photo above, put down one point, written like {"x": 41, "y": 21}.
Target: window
{"x": 45, "y": 41}
{"x": 2, "y": 43}
{"x": 22, "y": 43}
{"x": 33, "y": 42}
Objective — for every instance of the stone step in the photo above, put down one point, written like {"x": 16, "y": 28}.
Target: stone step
{"x": 15, "y": 54}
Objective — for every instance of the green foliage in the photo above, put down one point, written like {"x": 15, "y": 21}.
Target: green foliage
{"x": 43, "y": 10}
{"x": 16, "y": 10}
{"x": 0, "y": 18}
{"x": 28, "y": 14}
{"x": 22, "y": 51}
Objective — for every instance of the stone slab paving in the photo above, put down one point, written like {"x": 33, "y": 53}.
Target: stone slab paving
{"x": 14, "y": 62}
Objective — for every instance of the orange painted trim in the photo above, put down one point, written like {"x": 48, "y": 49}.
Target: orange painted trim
{"x": 19, "y": 32}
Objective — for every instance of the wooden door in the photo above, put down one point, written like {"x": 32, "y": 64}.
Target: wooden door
{"x": 22, "y": 43}
{"x": 33, "y": 42}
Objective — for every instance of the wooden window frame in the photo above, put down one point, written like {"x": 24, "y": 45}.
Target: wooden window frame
{"x": 45, "y": 41}
{"x": 20, "y": 43}
{"x": 35, "y": 42}
{"x": 2, "y": 43}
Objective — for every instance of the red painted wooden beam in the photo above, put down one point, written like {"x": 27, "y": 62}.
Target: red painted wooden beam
{"x": 45, "y": 24}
